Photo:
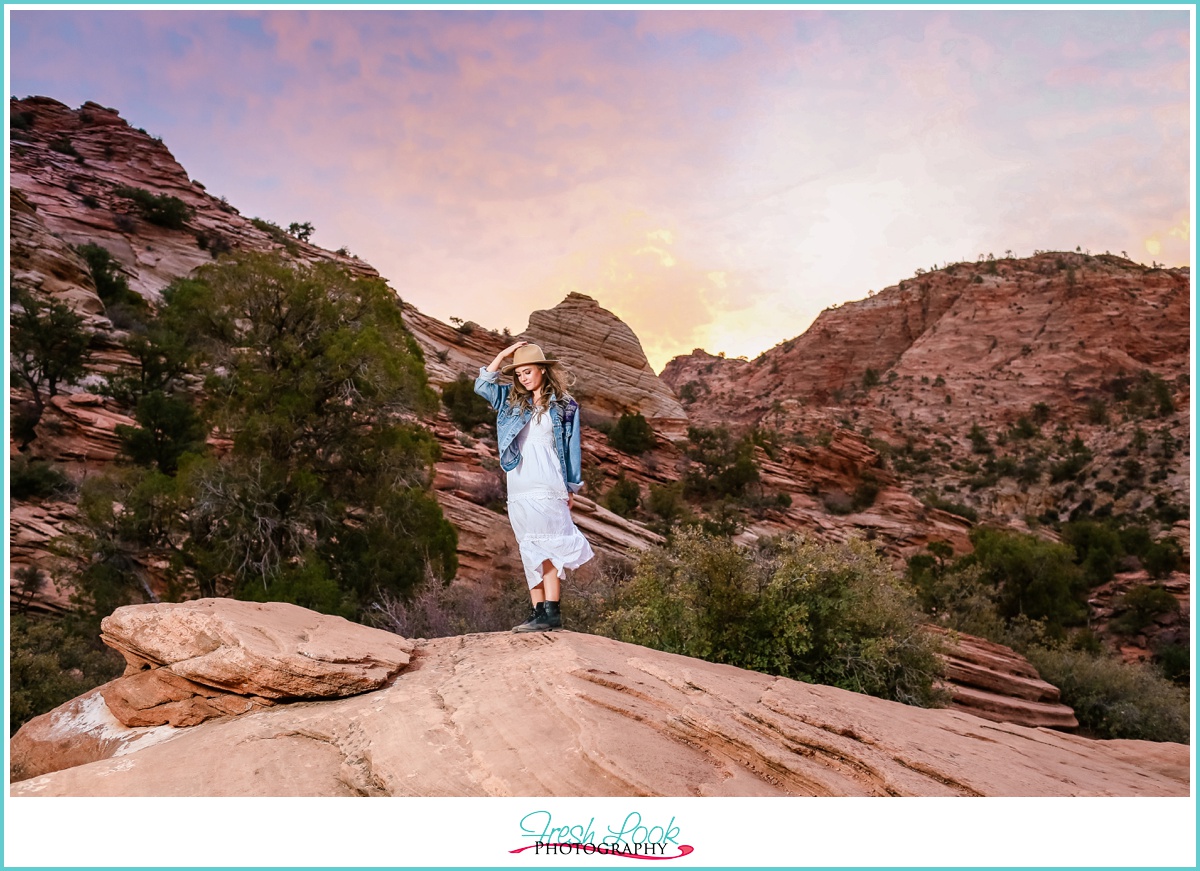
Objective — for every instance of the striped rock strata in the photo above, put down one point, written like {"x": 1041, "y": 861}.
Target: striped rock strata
{"x": 479, "y": 715}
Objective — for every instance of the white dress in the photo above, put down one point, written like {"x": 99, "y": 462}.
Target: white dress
{"x": 537, "y": 505}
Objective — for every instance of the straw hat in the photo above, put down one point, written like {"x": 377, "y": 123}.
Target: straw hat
{"x": 527, "y": 355}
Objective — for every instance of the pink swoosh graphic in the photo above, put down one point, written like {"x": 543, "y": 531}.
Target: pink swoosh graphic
{"x": 601, "y": 850}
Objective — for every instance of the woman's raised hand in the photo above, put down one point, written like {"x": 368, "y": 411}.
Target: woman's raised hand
{"x": 512, "y": 348}
{"x": 500, "y": 358}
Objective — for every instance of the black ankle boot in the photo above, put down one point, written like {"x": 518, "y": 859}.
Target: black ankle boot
{"x": 553, "y": 615}
{"x": 537, "y": 620}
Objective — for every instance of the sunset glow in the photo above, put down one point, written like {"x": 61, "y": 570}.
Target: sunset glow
{"x": 715, "y": 177}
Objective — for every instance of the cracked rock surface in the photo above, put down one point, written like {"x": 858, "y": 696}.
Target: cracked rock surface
{"x": 563, "y": 714}
{"x": 268, "y": 649}
{"x": 207, "y": 659}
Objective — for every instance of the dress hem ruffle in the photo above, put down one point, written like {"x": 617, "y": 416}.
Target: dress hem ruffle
{"x": 563, "y": 551}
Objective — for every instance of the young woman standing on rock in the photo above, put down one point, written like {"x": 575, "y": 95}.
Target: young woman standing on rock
{"x": 537, "y": 434}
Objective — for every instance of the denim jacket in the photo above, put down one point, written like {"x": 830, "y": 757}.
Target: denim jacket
{"x": 564, "y": 415}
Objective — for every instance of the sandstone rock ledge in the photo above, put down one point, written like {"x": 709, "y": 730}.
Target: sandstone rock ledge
{"x": 562, "y": 714}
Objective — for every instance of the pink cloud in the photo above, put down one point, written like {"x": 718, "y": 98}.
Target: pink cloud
{"x": 485, "y": 162}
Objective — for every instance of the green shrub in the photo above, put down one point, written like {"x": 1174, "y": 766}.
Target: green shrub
{"x": 1175, "y": 662}
{"x": 623, "y": 497}
{"x": 1004, "y": 467}
{"x": 761, "y": 503}
{"x": 273, "y": 230}
{"x": 1163, "y": 557}
{"x": 837, "y": 502}
{"x": 1023, "y": 429}
{"x": 632, "y": 434}
{"x": 1135, "y": 539}
{"x": 964, "y": 511}
{"x": 979, "y": 440}
{"x": 111, "y": 284}
{"x": 52, "y": 662}
{"x": 1069, "y": 468}
{"x": 728, "y": 466}
{"x": 960, "y": 598}
{"x": 48, "y": 346}
{"x": 466, "y": 407}
{"x": 214, "y": 242}
{"x": 302, "y": 231}
{"x": 770, "y": 440}
{"x": 36, "y": 479}
{"x": 306, "y": 581}
{"x": 824, "y": 613}
{"x": 322, "y": 495}
{"x": 690, "y": 392}
{"x": 865, "y": 493}
{"x": 1097, "y": 548}
{"x": 1036, "y": 579}
{"x": 979, "y": 482}
{"x": 1162, "y": 397}
{"x": 1144, "y": 395}
{"x": 1113, "y": 699}
{"x": 63, "y": 146}
{"x": 1141, "y": 605}
{"x": 161, "y": 359}
{"x": 1168, "y": 511}
{"x": 723, "y": 519}
{"x": 168, "y": 427}
{"x": 666, "y": 503}
{"x": 30, "y": 581}
{"x": 1087, "y": 640}
{"x": 161, "y": 209}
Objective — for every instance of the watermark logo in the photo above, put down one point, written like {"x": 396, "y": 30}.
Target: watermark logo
{"x": 632, "y": 839}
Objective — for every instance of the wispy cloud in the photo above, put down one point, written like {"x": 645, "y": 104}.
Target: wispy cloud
{"x": 488, "y": 162}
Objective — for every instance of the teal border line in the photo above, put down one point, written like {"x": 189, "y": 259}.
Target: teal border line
{"x": 629, "y": 5}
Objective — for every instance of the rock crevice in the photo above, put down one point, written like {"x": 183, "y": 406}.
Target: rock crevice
{"x": 482, "y": 714}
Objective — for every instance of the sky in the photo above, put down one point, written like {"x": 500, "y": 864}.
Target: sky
{"x": 715, "y": 177}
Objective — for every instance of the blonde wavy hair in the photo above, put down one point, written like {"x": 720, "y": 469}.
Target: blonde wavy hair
{"x": 556, "y": 380}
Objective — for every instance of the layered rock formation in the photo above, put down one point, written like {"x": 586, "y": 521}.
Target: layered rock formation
{"x": 70, "y": 171}
{"x": 480, "y": 714}
{"x": 821, "y": 481}
{"x": 1167, "y": 627}
{"x": 210, "y": 658}
{"x": 267, "y": 650}
{"x": 1051, "y": 328}
{"x": 995, "y": 682}
{"x": 32, "y": 528}
{"x": 614, "y": 376}
{"x": 970, "y": 343}
{"x": 60, "y": 201}
{"x": 1063, "y": 337}
{"x": 45, "y": 263}
{"x": 1021, "y": 391}
{"x": 77, "y": 199}
{"x": 451, "y": 351}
